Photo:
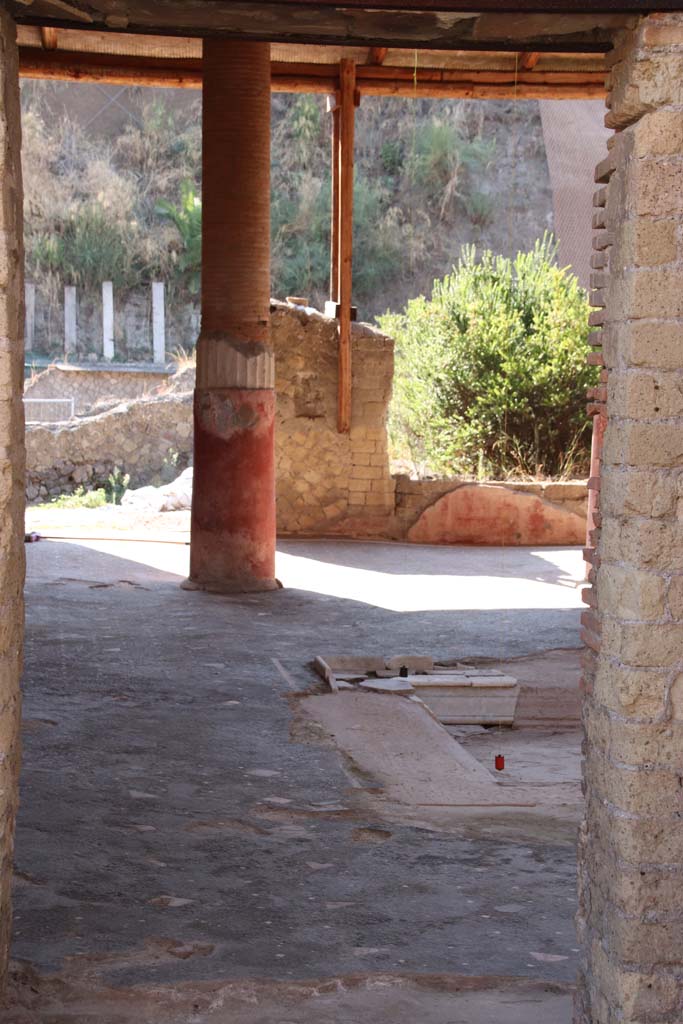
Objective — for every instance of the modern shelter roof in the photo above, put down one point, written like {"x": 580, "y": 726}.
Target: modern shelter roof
{"x": 88, "y": 54}
{"x": 550, "y": 25}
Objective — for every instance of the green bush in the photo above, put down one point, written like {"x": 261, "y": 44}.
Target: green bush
{"x": 491, "y": 371}
{"x": 86, "y": 248}
{"x": 79, "y": 499}
{"x": 443, "y": 164}
{"x": 187, "y": 219}
{"x": 300, "y": 229}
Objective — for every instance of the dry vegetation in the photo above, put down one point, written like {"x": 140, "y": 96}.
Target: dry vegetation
{"x": 122, "y": 206}
{"x": 431, "y": 177}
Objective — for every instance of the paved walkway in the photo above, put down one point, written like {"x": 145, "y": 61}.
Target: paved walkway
{"x": 180, "y": 829}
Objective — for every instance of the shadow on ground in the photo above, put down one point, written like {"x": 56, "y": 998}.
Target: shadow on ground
{"x": 171, "y": 833}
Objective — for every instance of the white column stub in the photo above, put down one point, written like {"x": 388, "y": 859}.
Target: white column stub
{"x": 108, "y": 320}
{"x": 158, "y": 322}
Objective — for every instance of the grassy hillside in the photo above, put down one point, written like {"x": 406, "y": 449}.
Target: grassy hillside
{"x": 118, "y": 199}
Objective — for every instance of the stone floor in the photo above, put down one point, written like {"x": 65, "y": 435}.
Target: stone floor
{"x": 187, "y": 851}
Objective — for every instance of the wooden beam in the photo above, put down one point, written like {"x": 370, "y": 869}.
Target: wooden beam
{"x": 372, "y": 80}
{"x": 114, "y": 69}
{"x": 515, "y": 7}
{"x": 378, "y": 54}
{"x": 48, "y": 37}
{"x": 347, "y": 117}
{"x": 366, "y": 73}
{"x": 528, "y": 61}
{"x": 464, "y": 90}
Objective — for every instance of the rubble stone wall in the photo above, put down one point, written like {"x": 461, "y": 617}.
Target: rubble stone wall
{"x": 88, "y": 385}
{"x": 11, "y": 462}
{"x": 150, "y": 439}
{"x": 327, "y": 483}
{"x": 630, "y": 917}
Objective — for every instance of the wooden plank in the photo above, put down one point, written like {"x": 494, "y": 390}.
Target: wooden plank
{"x": 340, "y": 25}
{"x": 347, "y": 116}
{"x": 378, "y": 54}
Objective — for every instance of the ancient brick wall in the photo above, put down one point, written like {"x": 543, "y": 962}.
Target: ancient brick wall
{"x": 631, "y": 849}
{"x": 11, "y": 462}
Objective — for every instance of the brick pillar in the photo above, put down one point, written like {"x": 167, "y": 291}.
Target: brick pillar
{"x": 12, "y": 481}
{"x": 630, "y": 916}
{"x": 233, "y": 505}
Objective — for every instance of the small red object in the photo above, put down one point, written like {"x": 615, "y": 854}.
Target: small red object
{"x": 500, "y": 762}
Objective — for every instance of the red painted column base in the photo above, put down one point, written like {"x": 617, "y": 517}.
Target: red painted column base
{"x": 233, "y": 502}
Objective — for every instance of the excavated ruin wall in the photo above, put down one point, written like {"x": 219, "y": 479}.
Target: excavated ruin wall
{"x": 88, "y": 385}
{"x": 11, "y": 463}
{"x": 327, "y": 482}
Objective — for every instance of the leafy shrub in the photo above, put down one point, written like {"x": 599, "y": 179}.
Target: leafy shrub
{"x": 443, "y": 162}
{"x": 117, "y": 484}
{"x": 87, "y": 248}
{"x": 300, "y": 228}
{"x": 491, "y": 371}
{"x": 187, "y": 218}
{"x": 79, "y": 499}
{"x": 480, "y": 208}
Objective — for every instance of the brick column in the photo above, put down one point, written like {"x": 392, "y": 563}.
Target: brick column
{"x": 233, "y": 505}
{"x": 630, "y": 916}
{"x": 12, "y": 481}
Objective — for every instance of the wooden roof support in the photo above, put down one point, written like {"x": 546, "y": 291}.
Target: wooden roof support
{"x": 378, "y": 54}
{"x": 48, "y": 37}
{"x": 371, "y": 79}
{"x": 528, "y": 61}
{"x": 347, "y": 118}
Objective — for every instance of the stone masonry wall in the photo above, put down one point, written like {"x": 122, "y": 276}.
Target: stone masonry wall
{"x": 150, "y": 439}
{"x": 630, "y": 917}
{"x": 89, "y": 384}
{"x": 11, "y": 463}
{"x": 327, "y": 483}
